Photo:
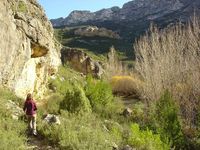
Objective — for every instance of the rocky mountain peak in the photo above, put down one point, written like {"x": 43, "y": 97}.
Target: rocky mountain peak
{"x": 135, "y": 16}
{"x": 78, "y": 17}
{"x": 153, "y": 8}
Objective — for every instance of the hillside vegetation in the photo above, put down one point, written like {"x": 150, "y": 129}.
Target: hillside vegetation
{"x": 94, "y": 44}
{"x": 164, "y": 114}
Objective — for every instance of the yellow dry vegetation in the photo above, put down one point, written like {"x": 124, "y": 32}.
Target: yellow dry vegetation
{"x": 126, "y": 84}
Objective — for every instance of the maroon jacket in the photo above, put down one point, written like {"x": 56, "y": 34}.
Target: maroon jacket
{"x": 30, "y": 107}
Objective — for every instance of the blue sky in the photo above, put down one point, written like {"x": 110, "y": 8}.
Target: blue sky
{"x": 62, "y": 8}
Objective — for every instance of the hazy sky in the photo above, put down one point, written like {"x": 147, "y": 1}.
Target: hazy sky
{"x": 62, "y": 8}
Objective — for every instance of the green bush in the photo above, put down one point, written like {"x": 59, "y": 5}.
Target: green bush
{"x": 99, "y": 93}
{"x": 145, "y": 140}
{"x": 22, "y": 7}
{"x": 138, "y": 112}
{"x": 167, "y": 122}
{"x": 79, "y": 132}
{"x": 75, "y": 101}
{"x": 53, "y": 103}
{"x": 65, "y": 80}
{"x": 60, "y": 85}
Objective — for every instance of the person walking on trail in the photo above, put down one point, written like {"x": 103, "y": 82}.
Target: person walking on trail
{"x": 30, "y": 110}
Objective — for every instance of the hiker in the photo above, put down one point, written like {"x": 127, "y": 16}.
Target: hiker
{"x": 30, "y": 110}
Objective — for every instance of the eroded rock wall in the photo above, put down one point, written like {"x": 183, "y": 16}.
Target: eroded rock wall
{"x": 81, "y": 62}
{"x": 29, "y": 54}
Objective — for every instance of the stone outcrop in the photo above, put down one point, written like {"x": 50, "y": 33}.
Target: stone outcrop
{"x": 52, "y": 119}
{"x": 91, "y": 31}
{"x": 28, "y": 51}
{"x": 16, "y": 111}
{"x": 127, "y": 112}
{"x": 135, "y": 16}
{"x": 81, "y": 62}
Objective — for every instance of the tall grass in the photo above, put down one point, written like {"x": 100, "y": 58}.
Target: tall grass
{"x": 12, "y": 131}
{"x": 79, "y": 132}
{"x": 169, "y": 59}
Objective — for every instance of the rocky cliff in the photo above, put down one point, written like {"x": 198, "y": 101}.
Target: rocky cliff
{"x": 135, "y": 16}
{"x": 28, "y": 53}
{"x": 81, "y": 62}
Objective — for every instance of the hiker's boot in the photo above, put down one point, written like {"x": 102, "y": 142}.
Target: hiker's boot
{"x": 35, "y": 133}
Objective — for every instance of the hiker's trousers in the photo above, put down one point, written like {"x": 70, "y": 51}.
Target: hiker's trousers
{"x": 32, "y": 122}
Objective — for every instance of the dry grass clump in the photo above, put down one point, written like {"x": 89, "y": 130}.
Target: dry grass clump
{"x": 126, "y": 85}
{"x": 122, "y": 78}
{"x": 170, "y": 60}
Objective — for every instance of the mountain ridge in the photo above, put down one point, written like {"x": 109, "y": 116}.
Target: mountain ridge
{"x": 134, "y": 17}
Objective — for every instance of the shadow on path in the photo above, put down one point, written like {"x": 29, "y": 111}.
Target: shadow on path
{"x": 38, "y": 143}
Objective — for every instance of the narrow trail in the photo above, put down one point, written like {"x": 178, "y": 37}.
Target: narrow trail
{"x": 38, "y": 143}
{"x": 128, "y": 101}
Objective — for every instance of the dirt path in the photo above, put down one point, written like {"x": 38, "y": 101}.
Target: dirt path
{"x": 128, "y": 101}
{"x": 38, "y": 143}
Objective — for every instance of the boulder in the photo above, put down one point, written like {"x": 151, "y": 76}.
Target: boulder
{"x": 127, "y": 147}
{"x": 127, "y": 112}
{"x": 15, "y": 110}
{"x": 81, "y": 62}
{"x": 52, "y": 119}
{"x": 114, "y": 146}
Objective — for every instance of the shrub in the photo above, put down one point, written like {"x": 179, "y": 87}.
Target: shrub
{"x": 125, "y": 85}
{"x": 99, "y": 93}
{"x": 145, "y": 140}
{"x": 60, "y": 85}
{"x": 168, "y": 58}
{"x": 65, "y": 80}
{"x": 22, "y": 7}
{"x": 138, "y": 114}
{"x": 75, "y": 101}
{"x": 77, "y": 131}
{"x": 167, "y": 121}
{"x": 53, "y": 103}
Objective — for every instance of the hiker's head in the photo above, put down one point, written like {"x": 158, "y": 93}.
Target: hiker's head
{"x": 29, "y": 96}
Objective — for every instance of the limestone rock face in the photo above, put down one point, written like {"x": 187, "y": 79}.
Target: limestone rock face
{"x": 16, "y": 111}
{"x": 28, "y": 51}
{"x": 81, "y": 62}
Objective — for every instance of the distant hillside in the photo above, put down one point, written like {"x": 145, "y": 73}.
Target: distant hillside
{"x": 96, "y": 43}
{"x": 134, "y": 17}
